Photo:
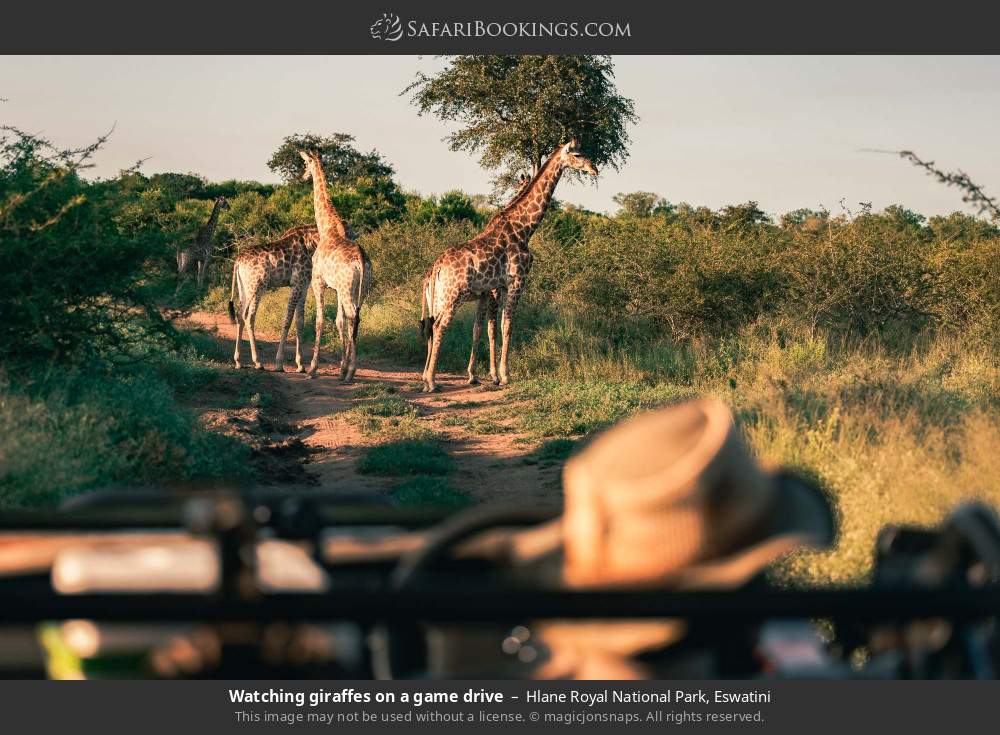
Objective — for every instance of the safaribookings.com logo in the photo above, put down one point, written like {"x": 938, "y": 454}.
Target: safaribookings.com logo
{"x": 387, "y": 28}
{"x": 390, "y": 28}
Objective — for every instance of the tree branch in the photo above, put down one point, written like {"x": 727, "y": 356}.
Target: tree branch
{"x": 972, "y": 193}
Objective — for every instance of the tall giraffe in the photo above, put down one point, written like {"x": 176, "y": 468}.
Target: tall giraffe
{"x": 199, "y": 251}
{"x": 488, "y": 302}
{"x": 493, "y": 268}
{"x": 341, "y": 264}
{"x": 286, "y": 261}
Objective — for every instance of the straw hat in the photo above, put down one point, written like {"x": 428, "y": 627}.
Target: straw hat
{"x": 668, "y": 499}
{"x": 673, "y": 498}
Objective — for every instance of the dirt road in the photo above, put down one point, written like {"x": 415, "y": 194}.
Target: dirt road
{"x": 303, "y": 438}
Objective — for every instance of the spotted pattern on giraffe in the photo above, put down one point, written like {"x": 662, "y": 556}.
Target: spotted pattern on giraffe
{"x": 491, "y": 268}
{"x": 286, "y": 261}
{"x": 341, "y": 264}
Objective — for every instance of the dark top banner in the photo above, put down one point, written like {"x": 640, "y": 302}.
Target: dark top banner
{"x": 451, "y": 26}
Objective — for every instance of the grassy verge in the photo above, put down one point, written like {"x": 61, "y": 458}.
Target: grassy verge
{"x": 898, "y": 430}
{"x": 67, "y": 431}
{"x": 899, "y": 434}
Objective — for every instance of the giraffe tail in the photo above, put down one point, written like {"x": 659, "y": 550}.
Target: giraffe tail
{"x": 426, "y": 305}
{"x": 232, "y": 295}
{"x": 362, "y": 271}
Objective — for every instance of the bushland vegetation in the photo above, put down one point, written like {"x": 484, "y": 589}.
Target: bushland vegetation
{"x": 860, "y": 347}
{"x": 89, "y": 368}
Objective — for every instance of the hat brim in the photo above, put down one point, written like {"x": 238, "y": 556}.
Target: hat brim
{"x": 801, "y": 517}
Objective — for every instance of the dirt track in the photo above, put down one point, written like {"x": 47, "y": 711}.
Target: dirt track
{"x": 305, "y": 441}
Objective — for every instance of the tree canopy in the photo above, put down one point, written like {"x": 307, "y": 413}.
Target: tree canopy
{"x": 642, "y": 204}
{"x": 514, "y": 110}
{"x": 342, "y": 162}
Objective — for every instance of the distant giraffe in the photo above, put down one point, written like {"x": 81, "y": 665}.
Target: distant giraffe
{"x": 491, "y": 267}
{"x": 286, "y": 261}
{"x": 199, "y": 251}
{"x": 341, "y": 264}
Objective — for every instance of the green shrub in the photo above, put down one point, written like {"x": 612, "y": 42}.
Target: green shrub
{"x": 70, "y": 278}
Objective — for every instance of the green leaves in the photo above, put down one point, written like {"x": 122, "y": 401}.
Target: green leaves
{"x": 74, "y": 256}
{"x": 515, "y": 110}
{"x": 342, "y": 162}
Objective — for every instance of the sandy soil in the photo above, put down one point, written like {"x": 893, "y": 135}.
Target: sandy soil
{"x": 301, "y": 440}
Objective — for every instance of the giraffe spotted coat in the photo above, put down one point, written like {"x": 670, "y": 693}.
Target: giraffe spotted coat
{"x": 286, "y": 261}
{"x": 491, "y": 268}
{"x": 341, "y": 264}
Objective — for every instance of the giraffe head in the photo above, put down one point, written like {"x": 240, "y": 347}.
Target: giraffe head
{"x": 312, "y": 164}
{"x": 222, "y": 202}
{"x": 572, "y": 157}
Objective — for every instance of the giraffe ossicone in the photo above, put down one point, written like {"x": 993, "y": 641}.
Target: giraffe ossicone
{"x": 492, "y": 268}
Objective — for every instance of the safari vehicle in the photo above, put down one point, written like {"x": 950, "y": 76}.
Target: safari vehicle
{"x": 655, "y": 567}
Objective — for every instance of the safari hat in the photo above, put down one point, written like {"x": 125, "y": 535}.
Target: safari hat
{"x": 673, "y": 498}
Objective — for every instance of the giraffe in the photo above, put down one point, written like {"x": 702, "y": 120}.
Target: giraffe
{"x": 489, "y": 306}
{"x": 199, "y": 252}
{"x": 286, "y": 261}
{"x": 341, "y": 264}
{"x": 491, "y": 268}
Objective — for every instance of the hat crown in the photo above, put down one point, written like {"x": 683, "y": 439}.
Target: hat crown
{"x": 659, "y": 492}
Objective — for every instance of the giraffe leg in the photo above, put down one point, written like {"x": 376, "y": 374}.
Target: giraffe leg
{"x": 427, "y": 360}
{"x": 239, "y": 336}
{"x": 293, "y": 304}
{"x": 477, "y": 331}
{"x": 492, "y": 308}
{"x": 200, "y": 277}
{"x": 506, "y": 322}
{"x": 240, "y": 319}
{"x": 342, "y": 330}
{"x": 317, "y": 287}
{"x": 300, "y": 320}
{"x": 441, "y": 322}
{"x": 352, "y": 316}
{"x": 251, "y": 320}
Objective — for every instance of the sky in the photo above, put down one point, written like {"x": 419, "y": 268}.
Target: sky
{"x": 785, "y": 131}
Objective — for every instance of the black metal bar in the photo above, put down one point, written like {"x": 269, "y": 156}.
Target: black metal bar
{"x": 472, "y": 604}
{"x": 137, "y": 518}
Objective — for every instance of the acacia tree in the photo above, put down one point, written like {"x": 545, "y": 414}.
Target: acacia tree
{"x": 514, "y": 110}
{"x": 342, "y": 162}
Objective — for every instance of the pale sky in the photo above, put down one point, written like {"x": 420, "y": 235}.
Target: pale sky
{"x": 714, "y": 130}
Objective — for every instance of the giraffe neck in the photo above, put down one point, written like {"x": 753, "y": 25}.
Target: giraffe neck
{"x": 327, "y": 219}
{"x": 524, "y": 213}
{"x": 205, "y": 237}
